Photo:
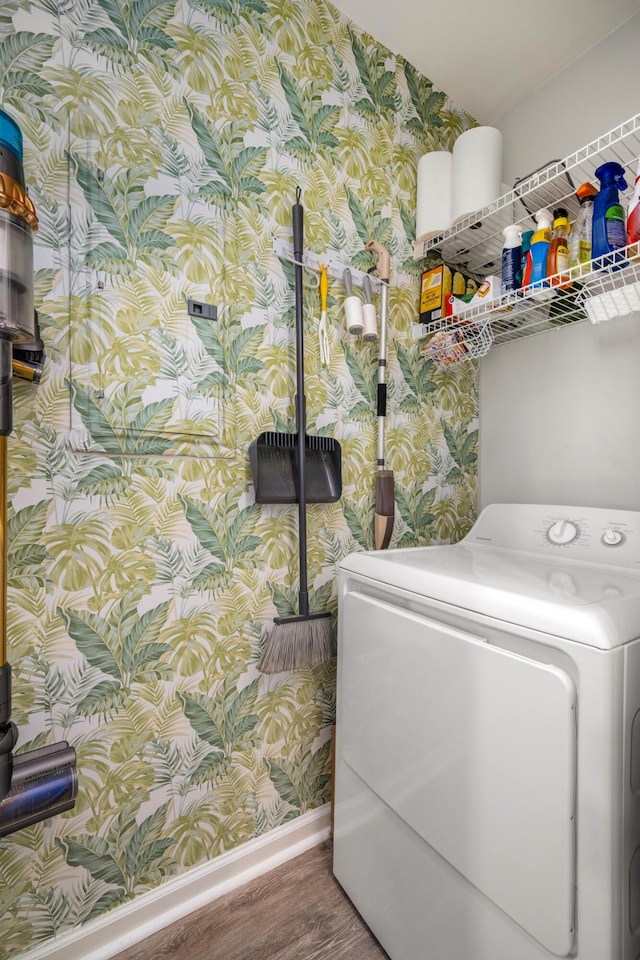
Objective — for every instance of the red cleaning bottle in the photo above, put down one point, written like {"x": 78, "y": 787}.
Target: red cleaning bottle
{"x": 633, "y": 221}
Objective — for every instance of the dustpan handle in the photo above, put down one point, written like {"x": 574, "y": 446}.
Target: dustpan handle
{"x": 301, "y": 419}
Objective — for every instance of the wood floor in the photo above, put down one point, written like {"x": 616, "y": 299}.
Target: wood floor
{"x": 295, "y": 912}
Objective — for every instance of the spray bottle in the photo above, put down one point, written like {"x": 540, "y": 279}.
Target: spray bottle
{"x": 633, "y": 221}
{"x": 527, "y": 237}
{"x": 535, "y": 269}
{"x": 512, "y": 258}
{"x": 609, "y": 226}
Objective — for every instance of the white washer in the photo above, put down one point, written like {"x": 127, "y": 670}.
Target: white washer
{"x": 488, "y": 739}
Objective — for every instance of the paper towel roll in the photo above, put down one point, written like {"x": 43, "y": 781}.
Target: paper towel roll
{"x": 476, "y": 178}
{"x": 433, "y": 202}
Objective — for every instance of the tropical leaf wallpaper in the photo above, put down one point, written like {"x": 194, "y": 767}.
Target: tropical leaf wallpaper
{"x": 163, "y": 145}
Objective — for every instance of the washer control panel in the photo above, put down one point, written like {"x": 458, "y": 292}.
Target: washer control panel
{"x": 592, "y": 534}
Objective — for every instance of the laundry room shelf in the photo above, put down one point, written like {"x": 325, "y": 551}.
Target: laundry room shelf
{"x": 596, "y": 290}
{"x": 599, "y": 290}
{"x": 475, "y": 243}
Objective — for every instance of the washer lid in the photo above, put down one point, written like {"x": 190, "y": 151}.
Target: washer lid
{"x": 593, "y": 604}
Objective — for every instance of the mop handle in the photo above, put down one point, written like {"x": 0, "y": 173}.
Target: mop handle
{"x": 301, "y": 414}
{"x": 383, "y": 270}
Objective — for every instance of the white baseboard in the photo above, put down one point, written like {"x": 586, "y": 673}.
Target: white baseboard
{"x": 150, "y": 912}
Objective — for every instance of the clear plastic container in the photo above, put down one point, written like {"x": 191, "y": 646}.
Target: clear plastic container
{"x": 558, "y": 256}
{"x": 580, "y": 237}
{"x": 16, "y": 278}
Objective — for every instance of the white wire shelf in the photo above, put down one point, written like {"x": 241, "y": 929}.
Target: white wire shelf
{"x": 599, "y": 290}
{"x": 475, "y": 242}
{"x": 612, "y": 294}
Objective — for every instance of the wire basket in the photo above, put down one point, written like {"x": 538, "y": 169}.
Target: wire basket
{"x": 458, "y": 344}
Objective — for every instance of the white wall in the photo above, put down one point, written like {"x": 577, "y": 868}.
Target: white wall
{"x": 560, "y": 413}
{"x": 592, "y": 95}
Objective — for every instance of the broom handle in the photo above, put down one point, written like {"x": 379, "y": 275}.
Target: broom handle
{"x": 301, "y": 413}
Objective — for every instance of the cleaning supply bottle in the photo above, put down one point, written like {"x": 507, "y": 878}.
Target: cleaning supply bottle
{"x": 609, "y": 222}
{"x": 633, "y": 221}
{"x": 526, "y": 253}
{"x": 536, "y": 265}
{"x": 558, "y": 256}
{"x": 580, "y": 236}
{"x": 512, "y": 258}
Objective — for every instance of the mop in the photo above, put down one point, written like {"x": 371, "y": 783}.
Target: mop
{"x": 385, "y": 500}
{"x": 307, "y": 638}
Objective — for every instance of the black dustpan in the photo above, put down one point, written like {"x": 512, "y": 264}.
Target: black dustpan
{"x": 274, "y": 465}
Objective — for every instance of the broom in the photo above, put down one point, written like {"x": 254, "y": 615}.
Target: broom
{"x": 307, "y": 638}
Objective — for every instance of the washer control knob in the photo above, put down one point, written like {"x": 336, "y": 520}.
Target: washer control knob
{"x": 562, "y": 531}
{"x": 612, "y": 538}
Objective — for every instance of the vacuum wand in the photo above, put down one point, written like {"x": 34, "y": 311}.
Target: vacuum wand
{"x": 8, "y": 730}
{"x": 40, "y": 783}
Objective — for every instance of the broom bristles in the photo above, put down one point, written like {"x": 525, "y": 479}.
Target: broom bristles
{"x": 298, "y": 642}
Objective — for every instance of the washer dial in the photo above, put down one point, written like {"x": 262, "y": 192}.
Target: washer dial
{"x": 562, "y": 532}
{"x": 612, "y": 538}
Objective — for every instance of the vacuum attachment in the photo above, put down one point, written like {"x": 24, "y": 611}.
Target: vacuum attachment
{"x": 35, "y": 785}
{"x": 44, "y": 783}
{"x": 28, "y": 358}
{"x": 274, "y": 466}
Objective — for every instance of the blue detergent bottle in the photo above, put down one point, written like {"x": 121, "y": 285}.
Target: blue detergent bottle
{"x": 535, "y": 268}
{"x": 609, "y": 229}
